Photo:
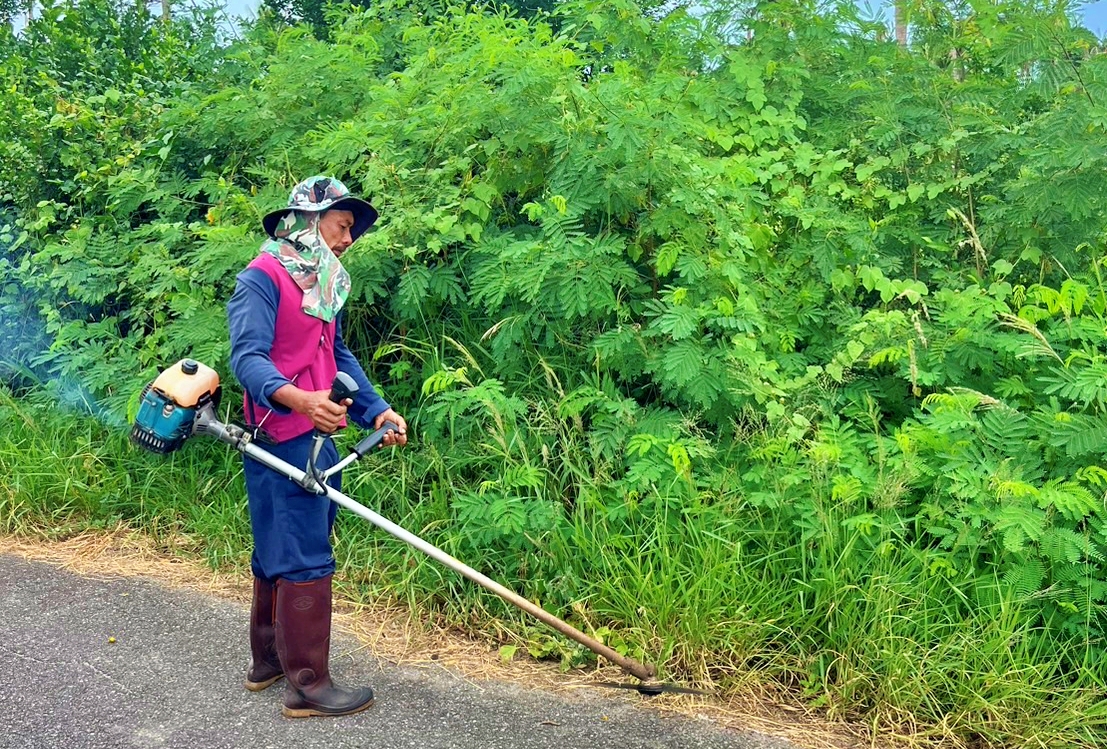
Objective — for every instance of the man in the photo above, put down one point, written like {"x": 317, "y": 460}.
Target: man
{"x": 286, "y": 346}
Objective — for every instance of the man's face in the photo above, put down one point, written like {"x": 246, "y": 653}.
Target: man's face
{"x": 335, "y": 227}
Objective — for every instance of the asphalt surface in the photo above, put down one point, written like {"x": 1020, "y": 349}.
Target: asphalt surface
{"x": 173, "y": 678}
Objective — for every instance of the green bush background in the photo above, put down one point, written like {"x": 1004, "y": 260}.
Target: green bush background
{"x": 755, "y": 344}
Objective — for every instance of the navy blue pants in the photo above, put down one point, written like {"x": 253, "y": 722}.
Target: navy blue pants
{"x": 291, "y": 527}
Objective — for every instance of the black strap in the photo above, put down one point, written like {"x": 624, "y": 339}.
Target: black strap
{"x": 256, "y": 432}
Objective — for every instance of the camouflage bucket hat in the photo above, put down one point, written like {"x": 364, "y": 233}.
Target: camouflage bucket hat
{"x": 317, "y": 194}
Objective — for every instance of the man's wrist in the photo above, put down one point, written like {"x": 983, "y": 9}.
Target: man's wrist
{"x": 290, "y": 397}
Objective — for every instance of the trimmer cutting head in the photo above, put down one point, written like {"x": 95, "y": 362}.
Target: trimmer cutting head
{"x": 169, "y": 405}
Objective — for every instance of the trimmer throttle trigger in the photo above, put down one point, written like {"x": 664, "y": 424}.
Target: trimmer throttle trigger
{"x": 343, "y": 387}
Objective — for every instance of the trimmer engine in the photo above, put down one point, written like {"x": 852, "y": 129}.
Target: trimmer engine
{"x": 170, "y": 404}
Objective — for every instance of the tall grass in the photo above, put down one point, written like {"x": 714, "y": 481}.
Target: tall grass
{"x": 66, "y": 472}
{"x": 717, "y": 590}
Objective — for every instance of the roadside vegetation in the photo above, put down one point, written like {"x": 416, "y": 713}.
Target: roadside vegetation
{"x": 754, "y": 343}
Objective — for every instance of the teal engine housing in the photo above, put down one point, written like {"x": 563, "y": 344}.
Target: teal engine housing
{"x": 161, "y": 425}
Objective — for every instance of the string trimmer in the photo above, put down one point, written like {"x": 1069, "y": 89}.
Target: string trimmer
{"x": 181, "y": 403}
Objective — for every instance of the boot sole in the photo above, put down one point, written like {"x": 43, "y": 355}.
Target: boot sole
{"x": 307, "y": 712}
{"x": 257, "y": 686}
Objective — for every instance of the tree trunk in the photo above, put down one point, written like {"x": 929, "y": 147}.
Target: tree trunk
{"x": 165, "y": 11}
{"x": 901, "y": 23}
{"x": 957, "y": 66}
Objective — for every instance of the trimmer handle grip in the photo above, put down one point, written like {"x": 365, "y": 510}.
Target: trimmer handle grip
{"x": 375, "y": 438}
{"x": 343, "y": 387}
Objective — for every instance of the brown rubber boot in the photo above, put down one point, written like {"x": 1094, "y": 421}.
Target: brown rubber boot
{"x": 304, "y": 643}
{"x": 265, "y": 666}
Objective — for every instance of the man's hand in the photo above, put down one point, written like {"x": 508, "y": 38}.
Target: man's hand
{"x": 392, "y": 438}
{"x": 325, "y": 414}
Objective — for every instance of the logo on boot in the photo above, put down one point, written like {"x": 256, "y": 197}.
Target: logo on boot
{"x": 303, "y": 603}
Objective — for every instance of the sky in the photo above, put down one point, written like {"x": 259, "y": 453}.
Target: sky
{"x": 1094, "y": 13}
{"x": 1095, "y": 17}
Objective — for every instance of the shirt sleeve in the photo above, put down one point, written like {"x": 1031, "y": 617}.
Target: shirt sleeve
{"x": 368, "y": 404}
{"x": 252, "y": 316}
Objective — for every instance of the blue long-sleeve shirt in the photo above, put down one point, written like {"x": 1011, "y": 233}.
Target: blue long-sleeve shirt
{"x": 252, "y": 314}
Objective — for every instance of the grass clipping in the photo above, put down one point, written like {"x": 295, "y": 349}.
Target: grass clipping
{"x": 394, "y": 636}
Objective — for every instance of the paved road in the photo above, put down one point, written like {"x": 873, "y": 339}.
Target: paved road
{"x": 173, "y": 679}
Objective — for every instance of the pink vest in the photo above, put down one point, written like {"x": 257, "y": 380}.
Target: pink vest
{"x": 303, "y": 351}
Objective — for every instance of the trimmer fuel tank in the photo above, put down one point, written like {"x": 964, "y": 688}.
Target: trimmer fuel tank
{"x": 187, "y": 382}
